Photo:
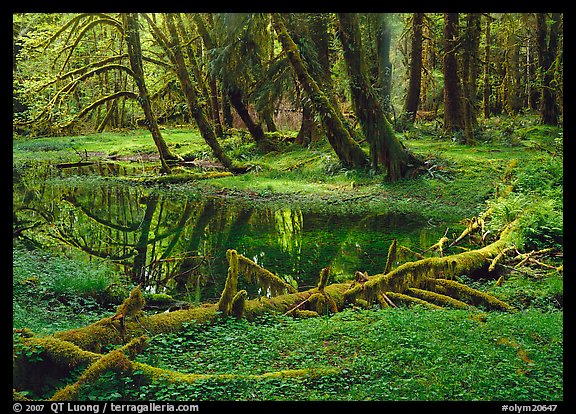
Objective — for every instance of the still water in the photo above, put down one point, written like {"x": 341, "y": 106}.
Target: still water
{"x": 176, "y": 242}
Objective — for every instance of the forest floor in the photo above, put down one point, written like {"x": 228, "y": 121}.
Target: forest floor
{"x": 401, "y": 354}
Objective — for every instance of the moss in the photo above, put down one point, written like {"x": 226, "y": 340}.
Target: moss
{"x": 231, "y": 284}
{"x": 61, "y": 353}
{"x": 436, "y": 298}
{"x": 415, "y": 274}
{"x": 132, "y": 306}
{"x": 265, "y": 279}
{"x": 409, "y": 300}
{"x": 391, "y": 257}
{"x": 304, "y": 313}
{"x": 238, "y": 303}
{"x": 468, "y": 294}
{"x": 159, "y": 374}
{"x": 364, "y": 304}
{"x": 158, "y": 298}
{"x": 115, "y": 360}
{"x": 323, "y": 279}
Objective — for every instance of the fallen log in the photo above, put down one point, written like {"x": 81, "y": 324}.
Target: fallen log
{"x": 415, "y": 275}
{"x": 425, "y": 282}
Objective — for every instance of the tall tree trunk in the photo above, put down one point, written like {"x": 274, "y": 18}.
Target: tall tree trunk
{"x": 132, "y": 36}
{"x": 415, "y": 80}
{"x": 549, "y": 111}
{"x": 214, "y": 105}
{"x": 384, "y": 65}
{"x": 385, "y": 148}
{"x": 191, "y": 94}
{"x": 317, "y": 26}
{"x": 487, "y": 89}
{"x": 453, "y": 108}
{"x": 348, "y": 151}
{"x": 470, "y": 44}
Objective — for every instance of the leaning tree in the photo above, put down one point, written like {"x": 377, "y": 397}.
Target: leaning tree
{"x": 70, "y": 78}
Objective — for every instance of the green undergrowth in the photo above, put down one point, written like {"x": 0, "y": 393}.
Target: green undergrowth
{"x": 52, "y": 293}
{"x": 455, "y": 183}
{"x": 391, "y": 354}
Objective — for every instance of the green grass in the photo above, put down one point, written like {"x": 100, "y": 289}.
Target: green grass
{"x": 460, "y": 180}
{"x": 385, "y": 355}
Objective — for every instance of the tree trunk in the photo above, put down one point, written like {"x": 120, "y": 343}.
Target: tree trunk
{"x": 384, "y": 65}
{"x": 309, "y": 131}
{"x": 197, "y": 111}
{"x": 214, "y": 105}
{"x": 385, "y": 148}
{"x": 486, "y": 90}
{"x": 348, "y": 151}
{"x": 470, "y": 44}
{"x": 453, "y": 108}
{"x": 415, "y": 80}
{"x": 132, "y": 36}
{"x": 423, "y": 274}
{"x": 256, "y": 131}
{"x": 549, "y": 111}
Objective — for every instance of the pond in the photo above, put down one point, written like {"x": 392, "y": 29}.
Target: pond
{"x": 176, "y": 242}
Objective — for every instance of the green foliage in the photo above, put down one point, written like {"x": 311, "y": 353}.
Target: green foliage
{"x": 399, "y": 354}
{"x": 53, "y": 293}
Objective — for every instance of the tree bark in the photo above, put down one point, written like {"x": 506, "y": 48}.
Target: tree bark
{"x": 348, "y": 151}
{"x": 453, "y": 109}
{"x": 470, "y": 42}
{"x": 173, "y": 49}
{"x": 132, "y": 36}
{"x": 486, "y": 90}
{"x": 549, "y": 111}
{"x": 384, "y": 65}
{"x": 415, "y": 80}
{"x": 385, "y": 148}
{"x": 256, "y": 131}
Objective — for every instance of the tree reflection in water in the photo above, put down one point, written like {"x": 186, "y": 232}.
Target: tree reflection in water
{"x": 176, "y": 243}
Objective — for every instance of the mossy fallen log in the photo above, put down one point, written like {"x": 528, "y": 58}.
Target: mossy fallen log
{"x": 415, "y": 274}
{"x": 424, "y": 282}
{"x": 411, "y": 275}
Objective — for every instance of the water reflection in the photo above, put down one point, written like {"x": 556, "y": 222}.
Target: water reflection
{"x": 178, "y": 243}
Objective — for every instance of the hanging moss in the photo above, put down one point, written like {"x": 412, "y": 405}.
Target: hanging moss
{"x": 263, "y": 277}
